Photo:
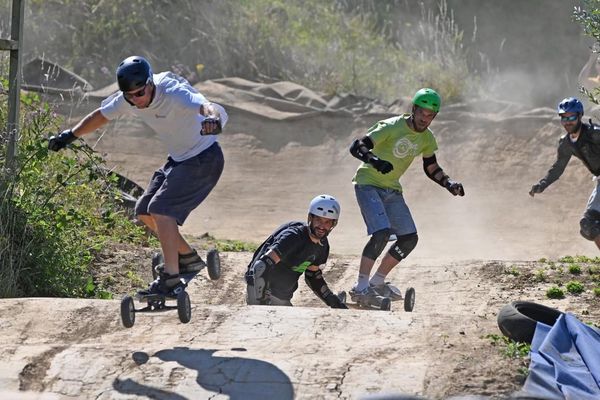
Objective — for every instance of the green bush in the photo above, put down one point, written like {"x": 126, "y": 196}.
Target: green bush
{"x": 574, "y": 287}
{"x": 370, "y": 48}
{"x": 56, "y": 211}
{"x": 575, "y": 269}
{"x": 555, "y": 293}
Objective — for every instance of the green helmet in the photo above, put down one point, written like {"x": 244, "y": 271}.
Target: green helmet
{"x": 427, "y": 98}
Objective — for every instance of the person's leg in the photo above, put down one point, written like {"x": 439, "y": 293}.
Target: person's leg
{"x": 185, "y": 186}
{"x": 378, "y": 226}
{"x": 403, "y": 226}
{"x": 590, "y": 222}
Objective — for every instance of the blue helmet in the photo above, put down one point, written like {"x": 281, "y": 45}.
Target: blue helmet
{"x": 570, "y": 104}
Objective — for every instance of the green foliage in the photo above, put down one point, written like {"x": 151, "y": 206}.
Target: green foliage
{"x": 567, "y": 259}
{"x": 575, "y": 269}
{"x": 541, "y": 276}
{"x": 574, "y": 287}
{"x": 588, "y": 16}
{"x": 370, "y": 48}
{"x": 56, "y": 211}
{"x": 597, "y": 292}
{"x": 555, "y": 293}
{"x": 226, "y": 244}
{"x": 509, "y": 347}
{"x": 513, "y": 270}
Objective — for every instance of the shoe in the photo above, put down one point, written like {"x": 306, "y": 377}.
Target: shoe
{"x": 388, "y": 290}
{"x": 188, "y": 263}
{"x": 164, "y": 284}
{"x": 364, "y": 296}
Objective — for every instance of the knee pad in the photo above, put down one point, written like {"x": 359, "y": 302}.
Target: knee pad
{"x": 403, "y": 246}
{"x": 376, "y": 244}
{"x": 590, "y": 224}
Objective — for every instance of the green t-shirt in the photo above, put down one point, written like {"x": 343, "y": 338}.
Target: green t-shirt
{"x": 395, "y": 142}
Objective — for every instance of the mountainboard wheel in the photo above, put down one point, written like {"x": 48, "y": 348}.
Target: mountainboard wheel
{"x": 184, "y": 308}
{"x": 213, "y": 263}
{"x": 127, "y": 312}
{"x": 409, "y": 299}
{"x": 386, "y": 304}
{"x": 157, "y": 259}
{"x": 342, "y": 296}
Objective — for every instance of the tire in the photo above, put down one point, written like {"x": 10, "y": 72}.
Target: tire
{"x": 213, "y": 263}
{"x": 518, "y": 320}
{"x": 409, "y": 299}
{"x": 184, "y": 308}
{"x": 386, "y": 304}
{"x": 127, "y": 312}
{"x": 157, "y": 259}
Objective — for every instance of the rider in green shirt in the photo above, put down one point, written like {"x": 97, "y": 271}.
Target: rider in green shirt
{"x": 386, "y": 152}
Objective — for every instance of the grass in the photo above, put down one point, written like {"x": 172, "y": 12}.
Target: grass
{"x": 508, "y": 347}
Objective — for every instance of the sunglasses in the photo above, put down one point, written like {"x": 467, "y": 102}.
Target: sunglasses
{"x": 569, "y": 119}
{"x": 139, "y": 93}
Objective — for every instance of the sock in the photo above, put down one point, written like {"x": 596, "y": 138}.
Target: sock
{"x": 362, "y": 283}
{"x": 377, "y": 279}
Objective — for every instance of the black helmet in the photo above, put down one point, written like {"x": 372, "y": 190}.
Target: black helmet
{"x": 133, "y": 73}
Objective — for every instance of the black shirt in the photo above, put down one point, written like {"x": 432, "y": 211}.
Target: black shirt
{"x": 292, "y": 243}
{"x": 586, "y": 148}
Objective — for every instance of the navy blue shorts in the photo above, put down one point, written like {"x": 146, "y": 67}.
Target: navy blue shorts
{"x": 177, "y": 188}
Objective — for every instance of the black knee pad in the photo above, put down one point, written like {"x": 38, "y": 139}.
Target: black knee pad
{"x": 590, "y": 224}
{"x": 376, "y": 244}
{"x": 403, "y": 246}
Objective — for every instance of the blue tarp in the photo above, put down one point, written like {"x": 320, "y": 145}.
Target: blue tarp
{"x": 565, "y": 361}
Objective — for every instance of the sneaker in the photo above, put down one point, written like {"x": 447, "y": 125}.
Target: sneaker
{"x": 362, "y": 296}
{"x": 388, "y": 290}
{"x": 164, "y": 284}
{"x": 189, "y": 263}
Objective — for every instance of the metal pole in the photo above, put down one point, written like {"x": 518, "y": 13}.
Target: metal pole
{"x": 14, "y": 80}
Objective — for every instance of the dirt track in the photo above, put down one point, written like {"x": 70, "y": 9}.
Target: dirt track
{"x": 80, "y": 350}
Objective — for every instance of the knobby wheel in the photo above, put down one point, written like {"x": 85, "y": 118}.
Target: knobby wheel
{"x": 127, "y": 312}
{"x": 409, "y": 299}
{"x": 213, "y": 263}
{"x": 184, "y": 307}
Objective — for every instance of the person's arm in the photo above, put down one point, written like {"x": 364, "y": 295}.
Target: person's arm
{"x": 315, "y": 280}
{"x": 436, "y": 173}
{"x": 557, "y": 169}
{"x": 88, "y": 124}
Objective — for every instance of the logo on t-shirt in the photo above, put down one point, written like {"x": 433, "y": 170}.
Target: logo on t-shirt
{"x": 405, "y": 148}
{"x": 302, "y": 267}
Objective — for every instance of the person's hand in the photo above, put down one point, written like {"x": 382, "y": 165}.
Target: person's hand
{"x": 334, "y": 301}
{"x": 211, "y": 126}
{"x": 60, "y": 141}
{"x": 537, "y": 188}
{"x": 381, "y": 165}
{"x": 455, "y": 188}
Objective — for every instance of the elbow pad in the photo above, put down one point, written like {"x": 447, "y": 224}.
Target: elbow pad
{"x": 360, "y": 149}
{"x": 438, "y": 175}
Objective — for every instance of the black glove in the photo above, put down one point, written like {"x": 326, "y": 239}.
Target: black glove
{"x": 455, "y": 188}
{"x": 537, "y": 188}
{"x": 211, "y": 126}
{"x": 56, "y": 143}
{"x": 334, "y": 302}
{"x": 381, "y": 165}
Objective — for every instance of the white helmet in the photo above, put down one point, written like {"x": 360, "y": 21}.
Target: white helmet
{"x": 325, "y": 206}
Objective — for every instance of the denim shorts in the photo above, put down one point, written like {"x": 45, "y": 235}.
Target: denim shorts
{"x": 177, "y": 188}
{"x": 384, "y": 209}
